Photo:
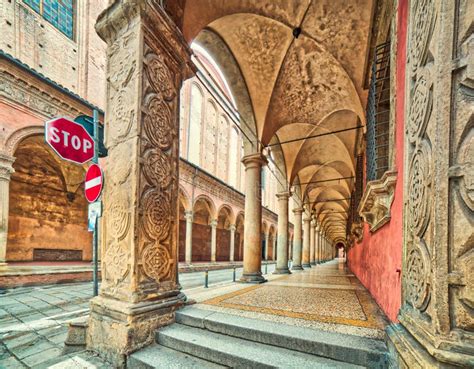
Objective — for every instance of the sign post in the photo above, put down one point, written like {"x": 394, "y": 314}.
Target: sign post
{"x": 95, "y": 253}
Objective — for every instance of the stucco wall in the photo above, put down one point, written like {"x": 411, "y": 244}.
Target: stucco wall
{"x": 377, "y": 260}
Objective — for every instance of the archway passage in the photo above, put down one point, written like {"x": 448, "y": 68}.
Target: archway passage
{"x": 239, "y": 238}
{"x": 224, "y": 221}
{"x": 48, "y": 210}
{"x": 201, "y": 239}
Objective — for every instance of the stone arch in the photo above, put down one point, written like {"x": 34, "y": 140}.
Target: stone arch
{"x": 19, "y": 135}
{"x": 204, "y": 212}
{"x": 48, "y": 210}
{"x": 225, "y": 219}
{"x": 239, "y": 236}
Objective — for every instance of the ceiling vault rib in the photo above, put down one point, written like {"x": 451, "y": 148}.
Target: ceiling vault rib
{"x": 315, "y": 136}
{"x": 327, "y": 180}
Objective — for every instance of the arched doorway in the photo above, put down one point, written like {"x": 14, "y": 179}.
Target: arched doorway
{"x": 264, "y": 239}
{"x": 239, "y": 237}
{"x": 48, "y": 210}
{"x": 203, "y": 213}
{"x": 224, "y": 221}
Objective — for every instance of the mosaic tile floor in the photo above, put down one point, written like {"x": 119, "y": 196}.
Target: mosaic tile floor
{"x": 326, "y": 295}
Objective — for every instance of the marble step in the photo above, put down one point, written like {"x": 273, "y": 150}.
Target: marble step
{"x": 160, "y": 357}
{"x": 342, "y": 347}
{"x": 238, "y": 353}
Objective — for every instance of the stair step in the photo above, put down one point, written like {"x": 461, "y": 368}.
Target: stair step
{"x": 160, "y": 357}
{"x": 342, "y": 347}
{"x": 238, "y": 353}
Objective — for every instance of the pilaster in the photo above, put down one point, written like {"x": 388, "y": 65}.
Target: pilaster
{"x": 6, "y": 169}
{"x": 147, "y": 60}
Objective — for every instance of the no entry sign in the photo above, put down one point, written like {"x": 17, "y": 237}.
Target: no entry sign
{"x": 94, "y": 182}
{"x": 70, "y": 140}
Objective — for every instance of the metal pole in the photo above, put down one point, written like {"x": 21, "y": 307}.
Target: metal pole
{"x": 206, "y": 279}
{"x": 95, "y": 254}
{"x": 266, "y": 267}
{"x": 233, "y": 276}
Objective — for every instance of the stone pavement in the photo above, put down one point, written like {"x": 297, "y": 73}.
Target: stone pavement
{"x": 34, "y": 321}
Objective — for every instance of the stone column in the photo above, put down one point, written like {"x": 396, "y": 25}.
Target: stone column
{"x": 317, "y": 245}
{"x": 6, "y": 169}
{"x": 232, "y": 242}
{"x": 312, "y": 241}
{"x": 297, "y": 240}
{"x": 282, "y": 241}
{"x": 213, "y": 240}
{"x": 189, "y": 237}
{"x": 253, "y": 219}
{"x": 305, "y": 260}
{"x": 267, "y": 239}
{"x": 147, "y": 60}
{"x": 274, "y": 248}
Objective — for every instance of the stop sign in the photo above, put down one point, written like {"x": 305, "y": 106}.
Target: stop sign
{"x": 94, "y": 182}
{"x": 70, "y": 140}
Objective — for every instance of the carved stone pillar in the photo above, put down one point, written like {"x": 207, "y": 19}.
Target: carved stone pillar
{"x": 282, "y": 241}
{"x": 189, "y": 237}
{"x": 267, "y": 239}
{"x": 147, "y": 59}
{"x": 253, "y": 219}
{"x": 213, "y": 240}
{"x": 6, "y": 169}
{"x": 232, "y": 242}
{"x": 437, "y": 313}
{"x": 297, "y": 240}
{"x": 317, "y": 245}
{"x": 312, "y": 242}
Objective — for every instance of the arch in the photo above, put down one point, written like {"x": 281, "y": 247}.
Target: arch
{"x": 17, "y": 136}
{"x": 184, "y": 199}
{"x": 239, "y": 236}
{"x": 48, "y": 209}
{"x": 229, "y": 212}
{"x": 225, "y": 219}
{"x": 209, "y": 205}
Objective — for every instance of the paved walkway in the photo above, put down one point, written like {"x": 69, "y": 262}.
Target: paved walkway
{"x": 34, "y": 320}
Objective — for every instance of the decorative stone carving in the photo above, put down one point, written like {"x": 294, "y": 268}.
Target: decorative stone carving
{"x": 422, "y": 26}
{"x": 420, "y": 189}
{"x": 375, "y": 204}
{"x": 147, "y": 60}
{"x": 418, "y": 276}
{"x": 420, "y": 109}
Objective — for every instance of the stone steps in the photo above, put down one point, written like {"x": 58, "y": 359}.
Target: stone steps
{"x": 202, "y": 337}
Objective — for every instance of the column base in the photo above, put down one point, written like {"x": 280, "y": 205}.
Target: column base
{"x": 306, "y": 265}
{"x": 297, "y": 267}
{"x": 313, "y": 263}
{"x": 254, "y": 278}
{"x": 117, "y": 328}
{"x": 282, "y": 271}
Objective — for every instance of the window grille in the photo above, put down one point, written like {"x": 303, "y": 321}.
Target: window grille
{"x": 356, "y": 195}
{"x": 378, "y": 114}
{"x": 60, "y": 13}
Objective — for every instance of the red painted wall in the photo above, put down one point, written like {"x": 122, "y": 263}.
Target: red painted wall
{"x": 377, "y": 258}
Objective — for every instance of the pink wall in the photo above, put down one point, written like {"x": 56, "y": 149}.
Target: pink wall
{"x": 377, "y": 260}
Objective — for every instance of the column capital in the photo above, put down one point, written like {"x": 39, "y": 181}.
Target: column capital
{"x": 232, "y": 228}
{"x": 307, "y": 219}
{"x": 298, "y": 211}
{"x": 189, "y": 215}
{"x": 254, "y": 160}
{"x": 213, "y": 223}
{"x": 285, "y": 195}
{"x": 6, "y": 166}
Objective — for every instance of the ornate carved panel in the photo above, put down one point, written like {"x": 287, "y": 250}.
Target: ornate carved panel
{"x": 438, "y": 277}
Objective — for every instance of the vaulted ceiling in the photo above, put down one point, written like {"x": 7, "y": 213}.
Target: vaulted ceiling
{"x": 289, "y": 89}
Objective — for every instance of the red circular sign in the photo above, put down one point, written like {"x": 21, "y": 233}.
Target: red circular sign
{"x": 94, "y": 182}
{"x": 69, "y": 139}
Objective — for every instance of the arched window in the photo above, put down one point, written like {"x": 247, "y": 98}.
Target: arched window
{"x": 233, "y": 157}
{"x": 195, "y": 125}
{"x": 210, "y": 134}
{"x": 223, "y": 147}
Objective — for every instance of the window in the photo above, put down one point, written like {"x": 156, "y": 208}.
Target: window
{"x": 195, "y": 125}
{"x": 378, "y": 114}
{"x": 60, "y": 13}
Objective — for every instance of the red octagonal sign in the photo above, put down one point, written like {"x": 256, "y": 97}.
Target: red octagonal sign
{"x": 94, "y": 182}
{"x": 70, "y": 140}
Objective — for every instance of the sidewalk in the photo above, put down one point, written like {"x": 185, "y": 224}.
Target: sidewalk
{"x": 20, "y": 274}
